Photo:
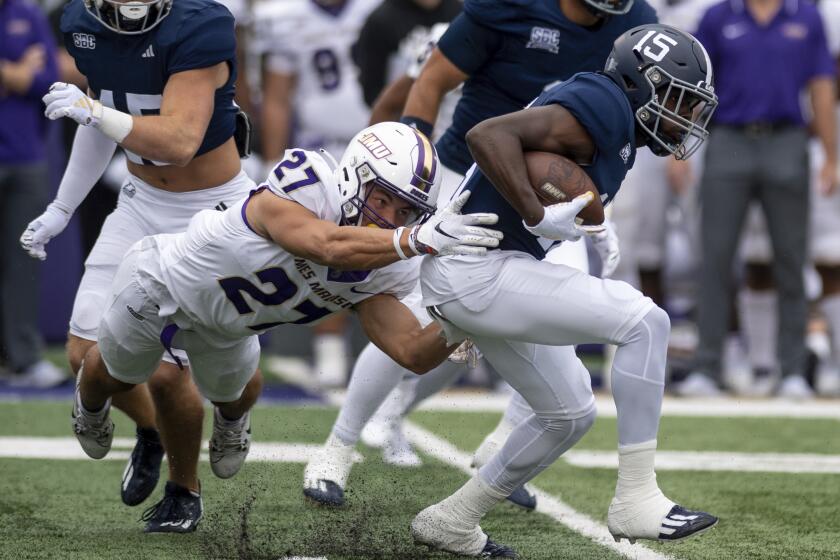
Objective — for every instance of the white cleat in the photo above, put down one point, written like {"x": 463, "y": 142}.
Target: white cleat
{"x": 397, "y": 450}
{"x": 325, "y": 476}
{"x": 796, "y": 388}
{"x": 230, "y": 444}
{"x": 434, "y": 528}
{"x": 698, "y": 385}
{"x": 95, "y": 432}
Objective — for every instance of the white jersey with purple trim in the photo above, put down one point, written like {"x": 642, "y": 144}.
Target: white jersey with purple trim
{"x": 311, "y": 42}
{"x": 226, "y": 282}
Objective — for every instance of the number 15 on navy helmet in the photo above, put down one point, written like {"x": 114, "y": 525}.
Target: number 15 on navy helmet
{"x": 667, "y": 77}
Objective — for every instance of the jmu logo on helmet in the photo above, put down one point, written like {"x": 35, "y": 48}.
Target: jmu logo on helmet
{"x": 374, "y": 145}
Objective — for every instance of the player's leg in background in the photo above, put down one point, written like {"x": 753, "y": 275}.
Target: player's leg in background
{"x": 228, "y": 375}
{"x": 784, "y": 194}
{"x": 120, "y": 230}
{"x": 725, "y": 194}
{"x": 23, "y": 194}
{"x": 330, "y": 349}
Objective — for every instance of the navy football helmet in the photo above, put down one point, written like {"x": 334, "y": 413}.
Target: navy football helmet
{"x": 667, "y": 77}
{"x": 130, "y": 17}
{"x": 603, "y": 8}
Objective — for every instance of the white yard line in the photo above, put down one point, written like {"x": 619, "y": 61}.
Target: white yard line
{"x": 793, "y": 463}
{"x": 68, "y": 448}
{"x": 549, "y": 505}
{"x": 459, "y": 401}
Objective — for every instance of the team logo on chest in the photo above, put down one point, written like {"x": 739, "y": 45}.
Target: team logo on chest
{"x": 545, "y": 39}
{"x": 625, "y": 153}
{"x": 84, "y": 40}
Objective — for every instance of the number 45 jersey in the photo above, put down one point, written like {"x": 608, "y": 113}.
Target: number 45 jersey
{"x": 226, "y": 282}
{"x": 129, "y": 72}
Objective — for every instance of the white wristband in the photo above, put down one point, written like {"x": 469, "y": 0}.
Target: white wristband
{"x": 114, "y": 124}
{"x": 397, "y": 239}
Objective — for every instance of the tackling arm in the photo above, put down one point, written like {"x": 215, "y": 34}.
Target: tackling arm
{"x": 498, "y": 147}
{"x": 392, "y": 327}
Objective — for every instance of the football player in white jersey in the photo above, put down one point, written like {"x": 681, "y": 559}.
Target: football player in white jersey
{"x": 312, "y": 97}
{"x": 278, "y": 256}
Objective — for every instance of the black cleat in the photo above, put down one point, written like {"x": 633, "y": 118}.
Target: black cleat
{"x": 143, "y": 469}
{"x": 495, "y": 550}
{"x": 325, "y": 493}
{"x": 681, "y": 523}
{"x": 179, "y": 511}
{"x": 523, "y": 498}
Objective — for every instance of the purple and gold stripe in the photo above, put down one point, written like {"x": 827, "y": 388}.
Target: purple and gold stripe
{"x": 424, "y": 173}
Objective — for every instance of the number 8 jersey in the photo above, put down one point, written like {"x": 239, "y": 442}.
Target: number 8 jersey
{"x": 223, "y": 280}
{"x": 129, "y": 72}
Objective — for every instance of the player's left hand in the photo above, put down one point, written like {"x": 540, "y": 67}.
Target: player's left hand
{"x": 67, "y": 100}
{"x": 467, "y": 353}
{"x": 451, "y": 233}
{"x": 606, "y": 243}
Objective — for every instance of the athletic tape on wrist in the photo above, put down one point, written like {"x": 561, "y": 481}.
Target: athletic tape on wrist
{"x": 114, "y": 124}
{"x": 397, "y": 240}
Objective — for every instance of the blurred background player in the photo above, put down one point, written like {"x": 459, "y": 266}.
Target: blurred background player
{"x": 27, "y": 68}
{"x": 176, "y": 121}
{"x": 504, "y": 54}
{"x": 311, "y": 98}
{"x": 760, "y": 118}
{"x": 382, "y": 49}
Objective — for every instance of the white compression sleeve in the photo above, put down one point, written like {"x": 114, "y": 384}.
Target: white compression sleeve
{"x": 92, "y": 151}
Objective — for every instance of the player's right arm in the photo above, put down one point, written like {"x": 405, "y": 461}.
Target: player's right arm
{"x": 91, "y": 153}
{"x": 498, "y": 146}
{"x": 392, "y": 327}
{"x": 460, "y": 52}
{"x": 276, "y": 116}
{"x": 302, "y": 233}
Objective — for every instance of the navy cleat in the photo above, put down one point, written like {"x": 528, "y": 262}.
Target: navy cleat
{"x": 496, "y": 550}
{"x": 179, "y": 511}
{"x": 325, "y": 493}
{"x": 143, "y": 469}
{"x": 524, "y": 498}
{"x": 681, "y": 523}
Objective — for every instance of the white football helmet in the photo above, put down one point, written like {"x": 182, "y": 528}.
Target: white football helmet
{"x": 397, "y": 158}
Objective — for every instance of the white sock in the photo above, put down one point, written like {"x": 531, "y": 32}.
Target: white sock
{"x": 757, "y": 311}
{"x": 830, "y": 307}
{"x": 517, "y": 411}
{"x": 639, "y": 505}
{"x": 330, "y": 359}
{"x": 470, "y": 503}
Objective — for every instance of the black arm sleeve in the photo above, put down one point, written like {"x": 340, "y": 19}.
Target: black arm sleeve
{"x": 371, "y": 53}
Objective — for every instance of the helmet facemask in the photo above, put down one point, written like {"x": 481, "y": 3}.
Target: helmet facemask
{"x": 357, "y": 207}
{"x": 605, "y": 8}
{"x": 676, "y": 117}
{"x": 129, "y": 18}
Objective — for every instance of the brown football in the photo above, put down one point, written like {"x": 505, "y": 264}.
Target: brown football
{"x": 558, "y": 179}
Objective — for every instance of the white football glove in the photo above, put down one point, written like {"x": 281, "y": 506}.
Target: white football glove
{"x": 451, "y": 233}
{"x": 43, "y": 228}
{"x": 467, "y": 353}
{"x": 559, "y": 223}
{"x": 66, "y": 100}
{"x": 606, "y": 243}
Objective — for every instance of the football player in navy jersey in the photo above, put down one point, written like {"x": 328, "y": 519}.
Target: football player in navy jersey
{"x": 161, "y": 84}
{"x": 505, "y": 53}
{"x": 526, "y": 314}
